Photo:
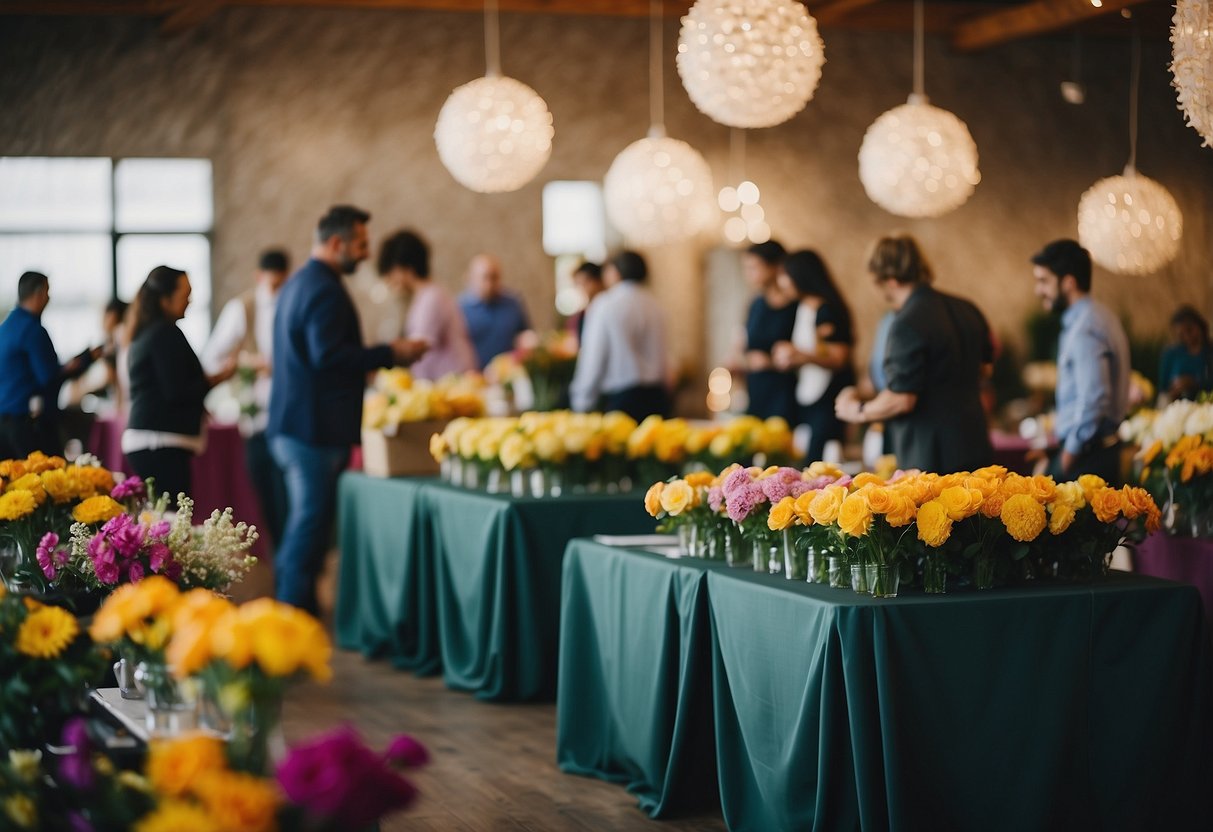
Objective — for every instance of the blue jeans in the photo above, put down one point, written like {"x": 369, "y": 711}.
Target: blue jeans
{"x": 311, "y": 473}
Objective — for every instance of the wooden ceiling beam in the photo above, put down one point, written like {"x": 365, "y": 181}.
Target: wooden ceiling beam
{"x": 1030, "y": 19}
{"x": 189, "y": 14}
{"x": 832, "y": 13}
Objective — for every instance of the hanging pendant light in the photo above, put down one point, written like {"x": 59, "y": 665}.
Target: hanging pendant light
{"x": 1192, "y": 64}
{"x": 494, "y": 134}
{"x": 918, "y": 160}
{"x": 659, "y": 190}
{"x": 749, "y": 221}
{"x": 752, "y": 64}
{"x": 1130, "y": 223}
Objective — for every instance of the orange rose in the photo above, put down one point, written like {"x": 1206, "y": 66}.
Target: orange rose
{"x": 652, "y": 499}
{"x": 855, "y": 516}
{"x": 826, "y": 505}
{"x": 1108, "y": 504}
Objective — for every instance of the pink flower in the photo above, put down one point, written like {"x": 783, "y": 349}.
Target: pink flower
{"x": 160, "y": 528}
{"x": 715, "y": 497}
{"x": 735, "y": 480}
{"x": 407, "y": 752}
{"x": 100, "y": 551}
{"x": 158, "y": 556}
{"x": 131, "y": 487}
{"x": 49, "y": 558}
{"x": 775, "y": 488}
{"x": 134, "y": 571}
{"x": 741, "y": 503}
{"x": 107, "y": 573}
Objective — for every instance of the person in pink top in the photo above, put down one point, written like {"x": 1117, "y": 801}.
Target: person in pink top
{"x": 404, "y": 262}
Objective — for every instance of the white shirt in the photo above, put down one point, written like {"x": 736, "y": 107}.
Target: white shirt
{"x": 622, "y": 346}
{"x": 229, "y": 334}
{"x": 812, "y": 379}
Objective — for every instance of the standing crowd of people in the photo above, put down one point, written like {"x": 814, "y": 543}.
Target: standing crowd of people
{"x": 300, "y": 338}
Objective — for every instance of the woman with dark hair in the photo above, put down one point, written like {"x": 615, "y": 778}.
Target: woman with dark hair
{"x": 1186, "y": 369}
{"x": 770, "y": 319}
{"x": 434, "y": 317}
{"x": 819, "y": 349}
{"x": 622, "y": 363}
{"x": 167, "y": 384}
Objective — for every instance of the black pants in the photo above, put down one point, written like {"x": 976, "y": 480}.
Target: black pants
{"x": 639, "y": 401}
{"x": 20, "y": 436}
{"x": 823, "y": 426}
{"x": 269, "y": 484}
{"x": 168, "y": 468}
{"x": 1101, "y": 460}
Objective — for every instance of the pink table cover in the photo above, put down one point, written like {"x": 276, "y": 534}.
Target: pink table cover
{"x": 220, "y": 475}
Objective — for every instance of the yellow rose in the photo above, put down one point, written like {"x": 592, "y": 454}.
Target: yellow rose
{"x": 1090, "y": 483}
{"x": 699, "y": 439}
{"x": 854, "y": 516}
{"x": 515, "y": 451}
{"x": 985, "y": 485}
{"x": 239, "y": 802}
{"x": 1107, "y": 503}
{"x": 992, "y": 472}
{"x": 827, "y": 503}
{"x": 700, "y": 479}
{"x": 880, "y": 500}
{"x": 903, "y": 512}
{"x": 801, "y": 507}
{"x": 177, "y": 816}
{"x": 781, "y": 514}
{"x": 992, "y": 506}
{"x": 960, "y": 502}
{"x": 934, "y": 525}
{"x": 173, "y": 766}
{"x": 1023, "y": 516}
{"x": 1072, "y": 494}
{"x": 677, "y": 497}
{"x": 721, "y": 446}
{"x": 652, "y": 498}
{"x": 437, "y": 447}
{"x": 1137, "y": 501}
{"x": 1061, "y": 516}
{"x": 1149, "y": 454}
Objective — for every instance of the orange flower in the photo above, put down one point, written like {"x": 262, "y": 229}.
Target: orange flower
{"x": 239, "y": 802}
{"x": 934, "y": 525}
{"x": 855, "y": 516}
{"x": 903, "y": 512}
{"x": 174, "y": 766}
{"x": 1108, "y": 503}
{"x": 781, "y": 514}
{"x": 826, "y": 504}
{"x": 801, "y": 507}
{"x": 960, "y": 502}
{"x": 865, "y": 479}
{"x": 1023, "y": 517}
{"x": 1061, "y": 516}
{"x": 652, "y": 498}
{"x": 700, "y": 479}
{"x": 880, "y": 500}
{"x": 1148, "y": 455}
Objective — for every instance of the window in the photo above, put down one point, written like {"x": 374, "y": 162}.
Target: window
{"x": 96, "y": 227}
{"x": 574, "y": 229}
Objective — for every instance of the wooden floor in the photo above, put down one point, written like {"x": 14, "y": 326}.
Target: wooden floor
{"x": 493, "y": 766}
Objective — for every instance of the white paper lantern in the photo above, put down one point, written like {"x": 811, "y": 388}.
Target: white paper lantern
{"x": 659, "y": 190}
{"x": 1192, "y": 64}
{"x": 1130, "y": 224}
{"x": 751, "y": 64}
{"x": 494, "y": 134}
{"x": 917, "y": 160}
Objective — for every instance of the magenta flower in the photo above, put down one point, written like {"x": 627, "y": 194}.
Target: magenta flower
{"x": 134, "y": 571}
{"x": 131, "y": 487}
{"x": 159, "y": 555}
{"x": 407, "y": 752}
{"x": 76, "y": 769}
{"x": 107, "y": 573}
{"x": 50, "y": 558}
{"x": 160, "y": 529}
{"x": 336, "y": 776}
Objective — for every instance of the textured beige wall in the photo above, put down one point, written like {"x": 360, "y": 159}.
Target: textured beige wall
{"x": 300, "y": 109}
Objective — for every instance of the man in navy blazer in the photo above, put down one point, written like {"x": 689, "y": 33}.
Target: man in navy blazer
{"x": 320, "y": 370}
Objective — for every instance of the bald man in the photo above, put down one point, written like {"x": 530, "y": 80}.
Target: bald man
{"x": 495, "y": 316}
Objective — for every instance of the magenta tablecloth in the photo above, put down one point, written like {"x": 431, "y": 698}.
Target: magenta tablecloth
{"x": 1183, "y": 559}
{"x": 220, "y": 475}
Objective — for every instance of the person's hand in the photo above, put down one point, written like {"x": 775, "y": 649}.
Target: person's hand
{"x": 97, "y": 352}
{"x": 848, "y": 406}
{"x": 783, "y": 355}
{"x": 408, "y": 350}
{"x": 756, "y": 360}
{"x": 1067, "y": 462}
{"x": 225, "y": 372}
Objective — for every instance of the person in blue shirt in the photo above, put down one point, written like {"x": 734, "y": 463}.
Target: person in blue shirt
{"x": 30, "y": 374}
{"x": 1092, "y": 365}
{"x": 494, "y": 315}
{"x": 1186, "y": 369}
{"x": 319, "y": 375}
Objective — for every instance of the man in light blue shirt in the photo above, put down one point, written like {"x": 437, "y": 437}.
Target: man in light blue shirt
{"x": 495, "y": 317}
{"x": 1092, "y": 365}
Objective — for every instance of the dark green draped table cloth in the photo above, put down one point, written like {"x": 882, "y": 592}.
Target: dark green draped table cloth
{"x": 385, "y": 585}
{"x": 435, "y": 577}
{"x": 1043, "y": 708}
{"x": 497, "y": 567}
{"x": 635, "y": 703}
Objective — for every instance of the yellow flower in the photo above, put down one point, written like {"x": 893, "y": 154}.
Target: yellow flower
{"x": 173, "y": 766}
{"x": 21, "y": 810}
{"x": 438, "y": 447}
{"x": 37, "y": 462}
{"x": 178, "y": 816}
{"x": 854, "y": 516}
{"x": 700, "y": 479}
{"x": 903, "y": 512}
{"x": 31, "y": 483}
{"x": 283, "y": 640}
{"x": 127, "y": 609}
{"x": 721, "y": 446}
{"x": 827, "y": 503}
{"x": 992, "y": 506}
{"x": 1061, "y": 516}
{"x": 880, "y": 500}
{"x": 781, "y": 514}
{"x": 238, "y": 802}
{"x": 27, "y": 765}
{"x": 96, "y": 510}
{"x": 46, "y": 632}
{"x": 801, "y": 507}
{"x": 1137, "y": 501}
{"x": 1024, "y": 517}
{"x": 515, "y": 451}
{"x": 1072, "y": 494}
{"x": 934, "y": 524}
{"x": 1107, "y": 503}
{"x": 1149, "y": 454}
{"x": 992, "y": 472}
{"x": 677, "y": 497}
{"x": 1090, "y": 483}
{"x": 58, "y": 485}
{"x": 652, "y": 498}
{"x": 865, "y": 478}
{"x": 17, "y": 504}
{"x": 960, "y": 502}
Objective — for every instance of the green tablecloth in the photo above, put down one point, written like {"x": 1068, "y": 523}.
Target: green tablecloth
{"x": 497, "y": 563}
{"x": 385, "y": 595}
{"x": 635, "y": 704}
{"x": 1051, "y": 707}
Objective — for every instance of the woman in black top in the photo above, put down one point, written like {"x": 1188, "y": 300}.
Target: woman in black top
{"x": 819, "y": 349}
{"x": 770, "y": 320}
{"x": 167, "y": 383}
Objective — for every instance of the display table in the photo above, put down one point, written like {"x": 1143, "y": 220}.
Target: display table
{"x": 488, "y": 563}
{"x": 1184, "y": 559}
{"x": 1050, "y": 707}
{"x": 634, "y": 704}
{"x": 220, "y": 475}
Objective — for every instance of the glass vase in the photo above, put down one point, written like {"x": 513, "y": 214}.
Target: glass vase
{"x": 688, "y": 540}
{"x": 172, "y": 705}
{"x": 839, "y": 571}
{"x": 719, "y": 543}
{"x": 934, "y": 575}
{"x": 519, "y": 487}
{"x": 497, "y": 481}
{"x": 255, "y": 740}
{"x": 759, "y": 557}
{"x": 555, "y": 482}
{"x": 736, "y": 552}
{"x": 883, "y": 579}
{"x": 455, "y": 471}
{"x": 816, "y": 566}
{"x": 795, "y": 563}
{"x": 859, "y": 578}
{"x": 983, "y": 572}
{"x": 471, "y": 475}
{"x": 774, "y": 557}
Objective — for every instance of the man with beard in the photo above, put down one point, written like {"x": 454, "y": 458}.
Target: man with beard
{"x": 319, "y": 373}
{"x": 1092, "y": 365}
